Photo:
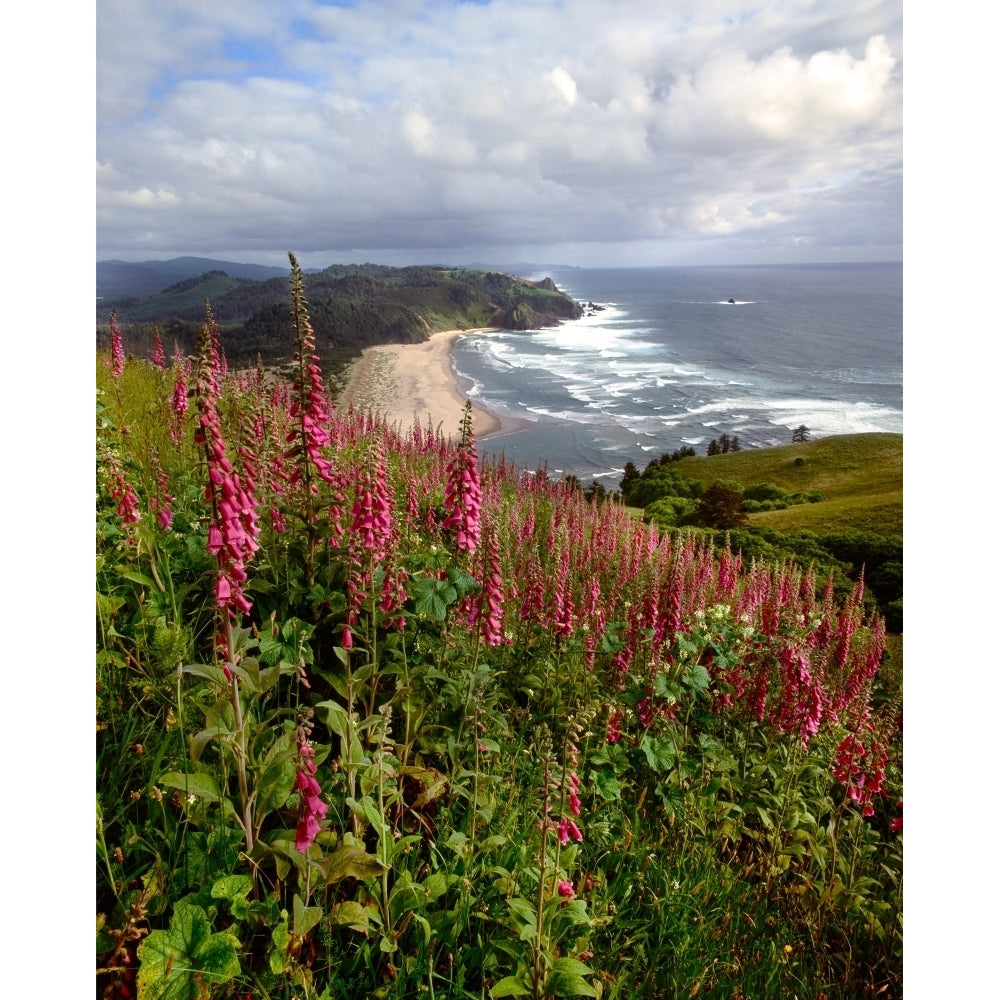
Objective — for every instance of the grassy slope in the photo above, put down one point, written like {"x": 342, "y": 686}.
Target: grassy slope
{"x": 861, "y": 475}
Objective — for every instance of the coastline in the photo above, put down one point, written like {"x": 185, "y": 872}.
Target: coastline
{"x": 408, "y": 383}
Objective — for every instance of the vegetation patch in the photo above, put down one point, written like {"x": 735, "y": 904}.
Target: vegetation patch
{"x": 378, "y": 718}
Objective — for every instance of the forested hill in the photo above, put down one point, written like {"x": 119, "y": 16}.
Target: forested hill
{"x": 350, "y": 306}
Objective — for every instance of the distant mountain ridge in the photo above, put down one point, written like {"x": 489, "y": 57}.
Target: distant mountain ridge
{"x": 351, "y": 306}
{"x": 127, "y": 279}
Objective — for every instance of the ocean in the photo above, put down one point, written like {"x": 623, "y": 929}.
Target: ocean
{"x": 662, "y": 359}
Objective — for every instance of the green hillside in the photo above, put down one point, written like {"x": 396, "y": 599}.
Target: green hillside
{"x": 351, "y": 307}
{"x": 860, "y": 474}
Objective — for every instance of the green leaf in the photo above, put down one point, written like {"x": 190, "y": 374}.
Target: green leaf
{"x": 201, "y": 740}
{"x": 351, "y": 915}
{"x": 141, "y": 579}
{"x": 608, "y": 786}
{"x": 464, "y": 584}
{"x": 565, "y": 979}
{"x": 207, "y": 670}
{"x": 522, "y": 909}
{"x": 457, "y": 841}
{"x": 235, "y": 889}
{"x": 280, "y": 938}
{"x": 435, "y": 885}
{"x": 664, "y": 687}
{"x": 433, "y": 597}
{"x": 697, "y": 679}
{"x": 349, "y": 861}
{"x": 335, "y": 716}
{"x": 232, "y": 887}
{"x": 277, "y": 778}
{"x": 510, "y": 986}
{"x": 304, "y": 918}
{"x": 659, "y": 753}
{"x": 186, "y": 961}
{"x": 199, "y": 784}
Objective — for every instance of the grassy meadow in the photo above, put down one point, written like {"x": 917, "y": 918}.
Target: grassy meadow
{"x": 377, "y": 718}
{"x": 861, "y": 476}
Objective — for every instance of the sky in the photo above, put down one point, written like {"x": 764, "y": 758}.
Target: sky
{"x": 584, "y": 132}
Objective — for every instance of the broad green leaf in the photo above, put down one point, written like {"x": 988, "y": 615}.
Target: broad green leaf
{"x": 510, "y": 986}
{"x": 207, "y": 670}
{"x": 349, "y": 861}
{"x": 665, "y": 687}
{"x": 435, "y": 885}
{"x": 349, "y": 914}
{"x": 232, "y": 887}
{"x": 201, "y": 740}
{"x": 659, "y": 753}
{"x": 457, "y": 841}
{"x": 140, "y": 578}
{"x": 670, "y": 795}
{"x": 186, "y": 961}
{"x": 235, "y": 889}
{"x": 335, "y": 717}
{"x": 697, "y": 679}
{"x": 304, "y": 918}
{"x": 565, "y": 979}
{"x": 200, "y": 784}
{"x": 277, "y": 778}
{"x": 608, "y": 786}
{"x": 433, "y": 597}
{"x": 522, "y": 909}
{"x": 464, "y": 584}
{"x": 280, "y": 938}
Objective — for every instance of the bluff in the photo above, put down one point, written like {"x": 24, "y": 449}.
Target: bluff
{"x": 351, "y": 307}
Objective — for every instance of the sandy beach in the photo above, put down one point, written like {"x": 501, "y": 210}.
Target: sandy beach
{"x": 413, "y": 382}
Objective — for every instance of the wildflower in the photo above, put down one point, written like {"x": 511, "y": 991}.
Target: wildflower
{"x": 313, "y": 808}
{"x": 162, "y": 505}
{"x": 569, "y": 830}
{"x": 310, "y": 409}
{"x": 861, "y": 771}
{"x": 614, "y": 727}
{"x": 232, "y": 535}
{"x": 117, "y": 350}
{"x": 371, "y": 517}
{"x": 566, "y": 889}
{"x": 463, "y": 495}
{"x": 158, "y": 359}
{"x": 127, "y": 506}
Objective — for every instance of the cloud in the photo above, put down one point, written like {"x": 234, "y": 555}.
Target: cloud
{"x": 444, "y": 126}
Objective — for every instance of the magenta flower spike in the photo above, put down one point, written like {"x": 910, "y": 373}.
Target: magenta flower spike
{"x": 232, "y": 535}
{"x": 463, "y": 495}
{"x": 158, "y": 357}
{"x": 313, "y": 808}
{"x": 310, "y": 410}
{"x": 117, "y": 350}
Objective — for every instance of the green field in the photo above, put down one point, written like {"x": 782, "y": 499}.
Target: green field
{"x": 861, "y": 475}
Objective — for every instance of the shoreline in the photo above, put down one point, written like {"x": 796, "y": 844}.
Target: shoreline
{"x": 408, "y": 383}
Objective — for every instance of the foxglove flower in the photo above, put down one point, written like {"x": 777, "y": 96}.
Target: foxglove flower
{"x": 463, "y": 495}
{"x": 117, "y": 350}
{"x": 310, "y": 409}
{"x": 232, "y": 535}
{"x": 158, "y": 359}
{"x": 569, "y": 830}
{"x": 313, "y": 808}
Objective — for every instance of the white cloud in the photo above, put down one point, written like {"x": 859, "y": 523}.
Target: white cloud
{"x": 445, "y": 125}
